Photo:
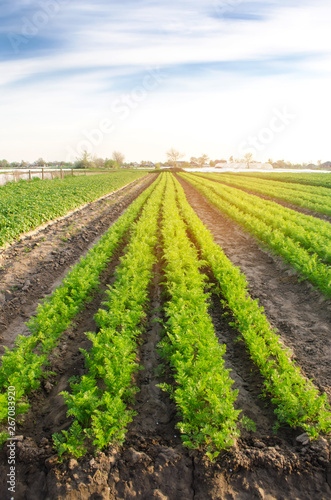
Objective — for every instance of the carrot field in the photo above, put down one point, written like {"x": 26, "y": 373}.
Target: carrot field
{"x": 171, "y": 339}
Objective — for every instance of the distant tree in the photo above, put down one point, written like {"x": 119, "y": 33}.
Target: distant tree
{"x": 231, "y": 159}
{"x": 319, "y": 162}
{"x": 4, "y": 164}
{"x": 85, "y": 161}
{"x": 118, "y": 157}
{"x": 203, "y": 160}
{"x": 40, "y": 162}
{"x": 14, "y": 164}
{"x": 23, "y": 164}
{"x": 173, "y": 156}
{"x": 194, "y": 161}
{"x": 248, "y": 158}
{"x": 99, "y": 162}
{"x": 109, "y": 163}
{"x": 270, "y": 161}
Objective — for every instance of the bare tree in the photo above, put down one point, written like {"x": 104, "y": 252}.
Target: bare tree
{"x": 248, "y": 158}
{"x": 173, "y": 156}
{"x": 118, "y": 157}
{"x": 202, "y": 160}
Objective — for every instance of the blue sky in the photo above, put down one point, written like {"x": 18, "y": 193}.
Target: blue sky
{"x": 221, "y": 77}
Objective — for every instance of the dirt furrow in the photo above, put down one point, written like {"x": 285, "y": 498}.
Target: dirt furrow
{"x": 34, "y": 267}
{"x": 301, "y": 314}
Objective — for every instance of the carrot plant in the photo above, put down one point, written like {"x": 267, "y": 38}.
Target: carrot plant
{"x": 312, "y": 197}
{"x": 23, "y": 366}
{"x": 203, "y": 387}
{"x": 298, "y": 402}
{"x": 99, "y": 400}
{"x": 306, "y": 262}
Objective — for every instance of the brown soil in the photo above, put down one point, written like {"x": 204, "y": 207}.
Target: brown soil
{"x": 153, "y": 463}
{"x": 34, "y": 266}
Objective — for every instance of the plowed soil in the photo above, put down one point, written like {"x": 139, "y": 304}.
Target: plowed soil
{"x": 153, "y": 463}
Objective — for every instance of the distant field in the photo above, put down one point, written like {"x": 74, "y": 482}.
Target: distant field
{"x": 26, "y": 205}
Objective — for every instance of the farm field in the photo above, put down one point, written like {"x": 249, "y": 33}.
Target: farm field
{"x": 311, "y": 197}
{"x": 26, "y": 205}
{"x": 183, "y": 359}
{"x": 312, "y": 179}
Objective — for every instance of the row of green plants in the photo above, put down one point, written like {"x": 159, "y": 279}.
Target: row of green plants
{"x": 26, "y": 205}
{"x": 98, "y": 401}
{"x": 308, "y": 264}
{"x": 25, "y": 365}
{"x": 312, "y": 197}
{"x": 311, "y": 179}
{"x": 297, "y": 401}
{"x": 202, "y": 390}
{"x": 312, "y": 233}
{"x": 275, "y": 186}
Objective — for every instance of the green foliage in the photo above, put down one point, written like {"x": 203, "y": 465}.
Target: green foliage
{"x": 102, "y": 414}
{"x": 203, "y": 387}
{"x": 23, "y": 366}
{"x": 298, "y": 403}
{"x": 251, "y": 213}
{"x": 26, "y": 205}
{"x": 316, "y": 198}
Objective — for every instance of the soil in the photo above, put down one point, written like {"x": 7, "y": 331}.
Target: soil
{"x": 152, "y": 463}
{"x": 35, "y": 265}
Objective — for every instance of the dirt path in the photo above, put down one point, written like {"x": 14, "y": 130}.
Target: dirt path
{"x": 35, "y": 266}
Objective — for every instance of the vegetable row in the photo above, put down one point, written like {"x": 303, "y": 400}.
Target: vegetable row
{"x": 312, "y": 197}
{"x": 310, "y": 179}
{"x": 202, "y": 389}
{"x": 24, "y": 366}
{"x": 287, "y": 233}
{"x": 100, "y": 409}
{"x": 297, "y": 401}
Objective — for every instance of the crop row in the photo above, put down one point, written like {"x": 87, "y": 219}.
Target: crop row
{"x": 297, "y": 401}
{"x": 203, "y": 387}
{"x": 312, "y": 197}
{"x": 284, "y": 238}
{"x": 26, "y": 205}
{"x": 312, "y": 233}
{"x": 310, "y": 179}
{"x": 100, "y": 411}
{"x": 23, "y": 366}
{"x": 272, "y": 186}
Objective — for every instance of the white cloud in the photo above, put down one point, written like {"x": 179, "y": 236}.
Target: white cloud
{"x": 283, "y": 60}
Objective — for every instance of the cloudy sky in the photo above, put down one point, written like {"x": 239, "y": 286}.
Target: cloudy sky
{"x": 217, "y": 77}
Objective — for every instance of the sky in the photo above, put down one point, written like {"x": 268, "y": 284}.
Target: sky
{"x": 215, "y": 77}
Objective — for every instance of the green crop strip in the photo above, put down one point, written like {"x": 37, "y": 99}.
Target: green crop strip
{"x": 23, "y": 366}
{"x": 203, "y": 387}
{"x": 308, "y": 265}
{"x": 312, "y": 233}
{"x": 314, "y": 198}
{"x": 297, "y": 401}
{"x": 101, "y": 414}
{"x": 26, "y": 205}
{"x": 274, "y": 186}
{"x": 310, "y": 179}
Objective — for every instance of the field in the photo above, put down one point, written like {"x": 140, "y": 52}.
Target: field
{"x": 168, "y": 340}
